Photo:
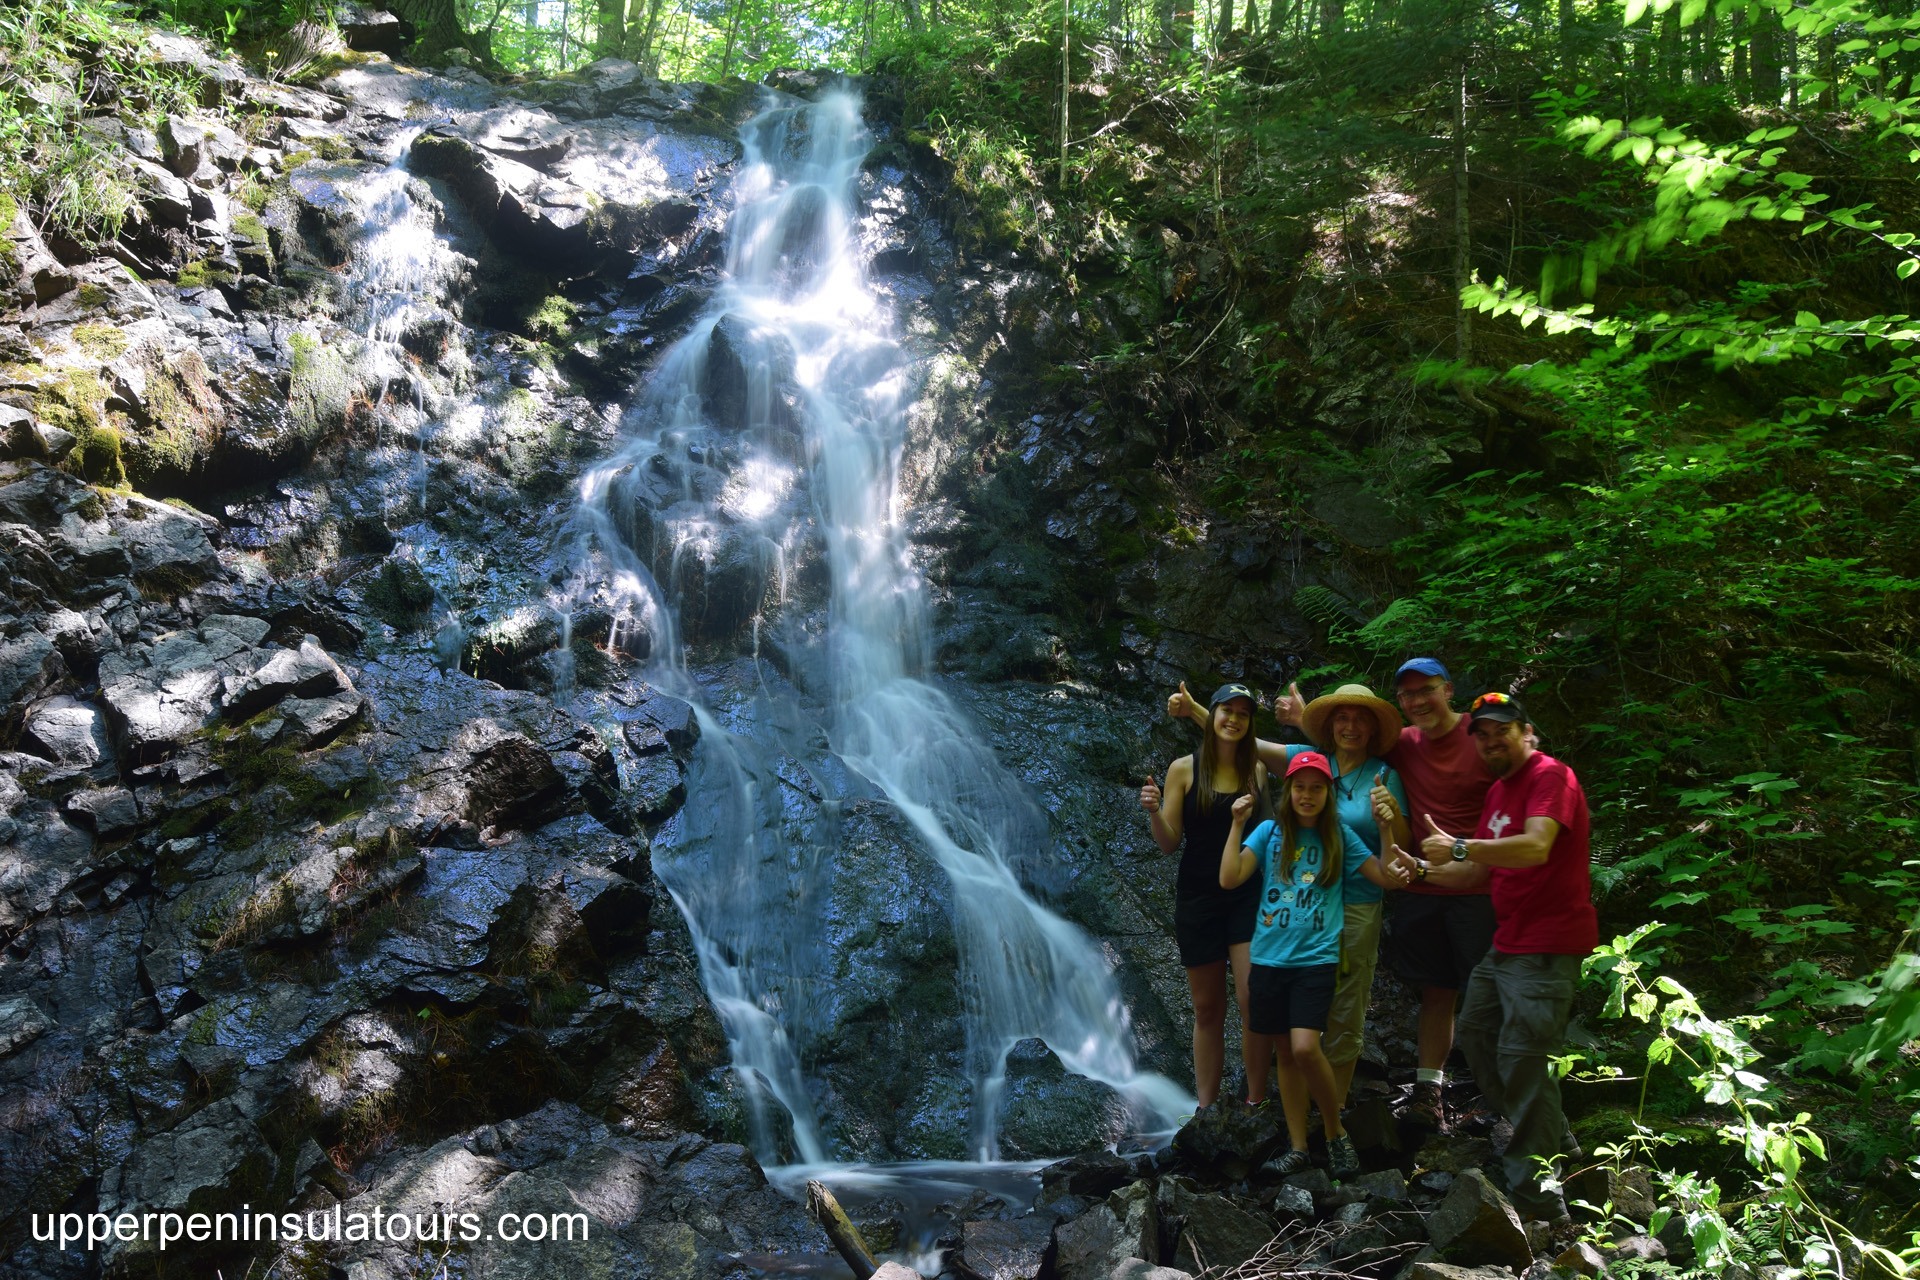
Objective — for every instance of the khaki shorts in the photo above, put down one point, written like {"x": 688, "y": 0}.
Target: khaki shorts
{"x": 1359, "y": 949}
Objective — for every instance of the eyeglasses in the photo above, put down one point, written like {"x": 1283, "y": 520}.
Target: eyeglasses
{"x": 1413, "y": 695}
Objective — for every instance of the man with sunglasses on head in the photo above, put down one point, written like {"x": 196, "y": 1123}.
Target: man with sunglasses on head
{"x": 1442, "y": 925}
{"x": 1532, "y": 840}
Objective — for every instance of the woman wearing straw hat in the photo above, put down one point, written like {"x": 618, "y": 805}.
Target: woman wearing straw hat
{"x": 1212, "y": 925}
{"x": 1355, "y": 729}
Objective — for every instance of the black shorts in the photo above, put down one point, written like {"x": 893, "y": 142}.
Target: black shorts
{"x": 1205, "y": 926}
{"x": 1278, "y": 1000}
{"x": 1435, "y": 940}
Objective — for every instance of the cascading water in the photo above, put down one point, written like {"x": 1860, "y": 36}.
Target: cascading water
{"x": 809, "y": 345}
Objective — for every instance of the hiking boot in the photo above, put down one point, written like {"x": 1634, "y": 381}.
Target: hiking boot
{"x": 1425, "y": 1110}
{"x": 1570, "y": 1146}
{"x": 1343, "y": 1161}
{"x": 1564, "y": 1235}
{"x": 1287, "y": 1164}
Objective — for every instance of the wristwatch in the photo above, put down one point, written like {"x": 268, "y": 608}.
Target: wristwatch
{"x": 1420, "y": 871}
{"x": 1459, "y": 848}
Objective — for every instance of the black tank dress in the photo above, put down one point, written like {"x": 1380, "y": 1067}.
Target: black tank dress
{"x": 1206, "y": 918}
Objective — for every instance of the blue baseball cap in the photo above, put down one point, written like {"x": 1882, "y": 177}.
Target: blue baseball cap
{"x": 1422, "y": 666}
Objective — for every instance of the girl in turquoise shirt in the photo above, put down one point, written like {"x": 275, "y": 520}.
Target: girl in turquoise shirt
{"x": 1303, "y": 861}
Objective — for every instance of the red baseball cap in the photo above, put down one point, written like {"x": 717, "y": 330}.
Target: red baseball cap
{"x": 1309, "y": 760}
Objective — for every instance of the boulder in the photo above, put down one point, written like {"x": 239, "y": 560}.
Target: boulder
{"x": 183, "y": 141}
{"x": 894, "y": 1271}
{"x": 1219, "y": 1233}
{"x": 1428, "y": 1270}
{"x": 1229, "y": 1139}
{"x": 40, "y": 858}
{"x": 168, "y": 198}
{"x": 1293, "y": 1204}
{"x": 1381, "y": 1190}
{"x": 1096, "y": 1244}
{"x": 1641, "y": 1249}
{"x": 1629, "y": 1191}
{"x": 1453, "y": 1153}
{"x": 314, "y": 722}
{"x": 308, "y": 672}
{"x": 1674, "y": 1234}
{"x": 71, "y": 733}
{"x": 151, "y": 708}
{"x": 1140, "y": 1269}
{"x": 21, "y": 1023}
{"x": 160, "y": 537}
{"x": 1095, "y": 1174}
{"x": 1476, "y": 1224}
{"x": 29, "y": 665}
{"x": 512, "y": 782}
{"x": 108, "y": 812}
{"x": 1371, "y": 1124}
{"x": 999, "y": 1250}
{"x": 370, "y": 30}
{"x": 1582, "y": 1259}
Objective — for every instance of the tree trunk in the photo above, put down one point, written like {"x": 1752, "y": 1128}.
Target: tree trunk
{"x": 1163, "y": 22}
{"x": 1828, "y": 97}
{"x": 916, "y": 20}
{"x": 1710, "y": 72}
{"x": 1793, "y": 69}
{"x": 645, "y": 55}
{"x": 1742, "y": 83}
{"x": 1765, "y": 55}
{"x": 1462, "y": 219}
{"x": 436, "y": 24}
{"x": 1066, "y": 84}
{"x": 1670, "y": 60}
{"x": 733, "y": 29}
{"x": 1276, "y": 19}
{"x": 1333, "y": 16}
{"x": 1569, "y": 60}
{"x": 1117, "y": 18}
{"x": 610, "y": 38}
{"x": 1224, "y": 25}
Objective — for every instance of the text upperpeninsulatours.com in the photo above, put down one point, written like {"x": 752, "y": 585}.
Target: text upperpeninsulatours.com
{"x": 91, "y": 1230}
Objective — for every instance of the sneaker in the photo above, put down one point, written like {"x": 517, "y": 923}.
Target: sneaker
{"x": 1425, "y": 1110}
{"x": 1287, "y": 1164}
{"x": 1342, "y": 1160}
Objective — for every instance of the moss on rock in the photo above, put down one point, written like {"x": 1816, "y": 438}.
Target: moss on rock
{"x": 100, "y": 341}
{"x": 321, "y": 391}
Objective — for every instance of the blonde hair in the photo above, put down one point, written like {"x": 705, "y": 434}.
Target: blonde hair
{"x": 1327, "y": 824}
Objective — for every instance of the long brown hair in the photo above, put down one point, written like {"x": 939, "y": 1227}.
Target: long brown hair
{"x": 1327, "y": 824}
{"x": 1245, "y": 758}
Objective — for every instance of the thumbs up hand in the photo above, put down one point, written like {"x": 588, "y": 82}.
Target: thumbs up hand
{"x": 1290, "y": 707}
{"x": 1438, "y": 843}
{"x": 1398, "y": 866}
{"x": 1181, "y": 705}
{"x": 1150, "y": 796}
{"x": 1384, "y": 808}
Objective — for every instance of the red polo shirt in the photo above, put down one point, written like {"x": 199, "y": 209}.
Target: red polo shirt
{"x": 1549, "y": 908}
{"x": 1444, "y": 776}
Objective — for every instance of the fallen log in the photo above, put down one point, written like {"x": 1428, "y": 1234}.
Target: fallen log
{"x": 840, "y": 1229}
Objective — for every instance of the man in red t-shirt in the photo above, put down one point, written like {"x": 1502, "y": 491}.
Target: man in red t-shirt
{"x": 1532, "y": 836}
{"x": 1441, "y": 927}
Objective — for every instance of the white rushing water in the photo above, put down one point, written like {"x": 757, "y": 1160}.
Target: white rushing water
{"x": 817, "y": 349}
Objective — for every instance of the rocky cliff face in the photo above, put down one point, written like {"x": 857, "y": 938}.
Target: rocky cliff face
{"x": 325, "y": 837}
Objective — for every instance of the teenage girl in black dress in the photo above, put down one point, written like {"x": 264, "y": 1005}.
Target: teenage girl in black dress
{"x": 1213, "y": 925}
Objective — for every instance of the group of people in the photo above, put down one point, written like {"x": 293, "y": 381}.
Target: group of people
{"x": 1487, "y": 910}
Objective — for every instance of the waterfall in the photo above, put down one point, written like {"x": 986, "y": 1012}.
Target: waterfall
{"x": 796, "y": 343}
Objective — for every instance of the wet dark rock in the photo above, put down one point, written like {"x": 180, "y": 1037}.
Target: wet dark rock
{"x": 1379, "y": 1190}
{"x": 314, "y": 722}
{"x": 371, "y": 30}
{"x": 308, "y": 672}
{"x": 1453, "y": 1153}
{"x": 1371, "y": 1124}
{"x": 511, "y": 782}
{"x": 1293, "y": 1204}
{"x": 1140, "y": 1269}
{"x": 1640, "y": 1248}
{"x": 1096, "y": 1174}
{"x": 1098, "y": 1243}
{"x": 1229, "y": 1139}
{"x": 107, "y": 812}
{"x": 1475, "y": 1224}
{"x": 1217, "y": 1232}
{"x": 1678, "y": 1240}
{"x": 21, "y": 1023}
{"x": 1001, "y": 1250}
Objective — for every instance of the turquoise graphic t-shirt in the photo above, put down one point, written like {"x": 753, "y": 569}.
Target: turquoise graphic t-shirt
{"x": 1353, "y": 801}
{"x": 1299, "y": 923}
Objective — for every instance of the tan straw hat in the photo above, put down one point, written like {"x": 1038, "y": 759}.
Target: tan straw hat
{"x": 1386, "y": 717}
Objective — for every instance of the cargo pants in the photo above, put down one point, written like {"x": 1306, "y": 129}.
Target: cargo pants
{"x": 1514, "y": 1020}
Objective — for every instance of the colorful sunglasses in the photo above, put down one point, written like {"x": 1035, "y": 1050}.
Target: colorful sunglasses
{"x": 1489, "y": 700}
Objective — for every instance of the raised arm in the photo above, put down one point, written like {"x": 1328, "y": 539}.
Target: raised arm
{"x": 1527, "y": 849}
{"x": 1181, "y": 706}
{"x": 1165, "y": 806}
{"x": 1237, "y": 862}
